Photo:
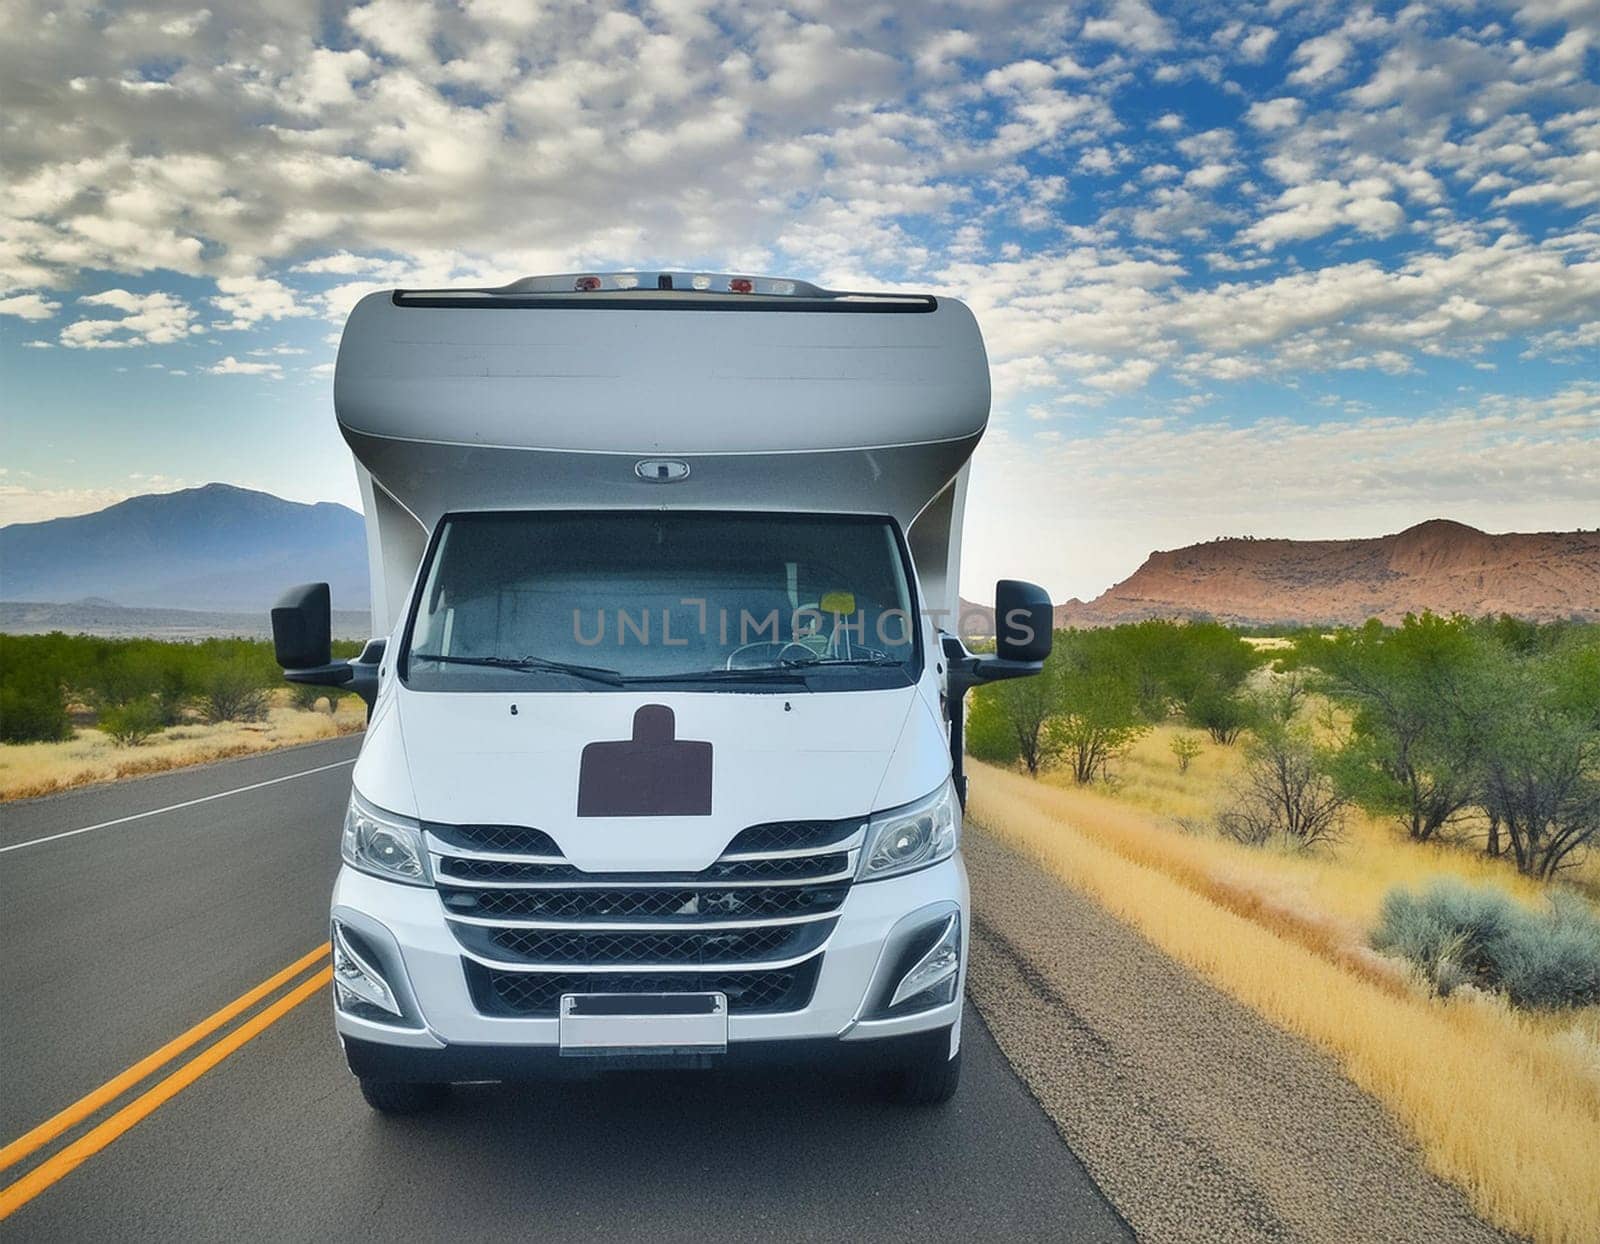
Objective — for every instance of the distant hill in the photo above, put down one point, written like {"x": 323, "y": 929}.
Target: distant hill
{"x": 98, "y": 617}
{"x": 216, "y": 548}
{"x": 1440, "y": 565}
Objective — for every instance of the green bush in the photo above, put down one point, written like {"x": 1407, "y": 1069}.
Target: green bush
{"x": 32, "y": 707}
{"x": 306, "y": 697}
{"x": 132, "y": 723}
{"x": 1457, "y": 935}
{"x": 1554, "y": 961}
{"x": 234, "y": 691}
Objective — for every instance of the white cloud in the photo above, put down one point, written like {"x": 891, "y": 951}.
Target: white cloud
{"x": 1131, "y": 23}
{"x": 250, "y": 299}
{"x": 1321, "y": 58}
{"x": 1310, "y": 210}
{"x": 153, "y": 319}
{"x": 1275, "y": 114}
{"x": 231, "y": 366}
{"x": 28, "y": 307}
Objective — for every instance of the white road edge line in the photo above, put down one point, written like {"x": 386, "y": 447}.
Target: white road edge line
{"x": 173, "y": 807}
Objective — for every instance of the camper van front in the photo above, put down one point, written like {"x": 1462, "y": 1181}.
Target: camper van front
{"x": 663, "y": 760}
{"x": 668, "y": 752}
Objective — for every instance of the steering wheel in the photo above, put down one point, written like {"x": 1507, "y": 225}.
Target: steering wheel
{"x": 782, "y": 647}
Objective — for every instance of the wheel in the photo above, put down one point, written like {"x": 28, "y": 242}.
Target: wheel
{"x": 929, "y": 1079}
{"x": 396, "y": 1097}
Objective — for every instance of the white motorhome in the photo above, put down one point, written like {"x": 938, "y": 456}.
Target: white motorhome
{"x": 663, "y": 759}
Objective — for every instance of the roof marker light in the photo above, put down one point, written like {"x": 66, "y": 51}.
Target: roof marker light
{"x": 627, "y": 282}
{"x": 741, "y": 285}
{"x": 702, "y": 282}
{"x": 586, "y": 283}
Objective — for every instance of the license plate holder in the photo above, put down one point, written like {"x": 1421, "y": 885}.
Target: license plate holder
{"x": 599, "y": 1025}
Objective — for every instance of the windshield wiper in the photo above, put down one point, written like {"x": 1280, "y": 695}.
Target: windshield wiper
{"x": 834, "y": 662}
{"x": 763, "y": 673}
{"x": 593, "y": 673}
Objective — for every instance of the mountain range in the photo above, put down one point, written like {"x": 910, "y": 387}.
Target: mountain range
{"x": 226, "y": 550}
{"x": 1444, "y": 566}
{"x": 216, "y": 548}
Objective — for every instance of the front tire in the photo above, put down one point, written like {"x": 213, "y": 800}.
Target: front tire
{"x": 397, "y": 1098}
{"x": 930, "y": 1078}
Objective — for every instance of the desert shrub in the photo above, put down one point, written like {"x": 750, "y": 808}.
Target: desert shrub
{"x": 306, "y": 697}
{"x": 32, "y": 708}
{"x": 1553, "y": 961}
{"x": 131, "y": 723}
{"x": 1223, "y": 714}
{"x": 1285, "y": 794}
{"x": 1457, "y": 935}
{"x": 234, "y": 691}
{"x": 1450, "y": 931}
{"x": 1185, "y": 747}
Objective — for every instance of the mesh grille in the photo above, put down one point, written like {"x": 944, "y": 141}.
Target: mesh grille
{"x": 689, "y": 906}
{"x": 539, "y": 993}
{"x": 502, "y": 870}
{"x": 603, "y": 947}
{"x": 792, "y": 835}
{"x": 785, "y": 867}
{"x": 496, "y": 838}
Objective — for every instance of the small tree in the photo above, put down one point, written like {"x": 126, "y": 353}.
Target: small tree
{"x": 132, "y": 723}
{"x": 1221, "y": 714}
{"x": 1185, "y": 747}
{"x": 1542, "y": 786}
{"x": 1286, "y": 793}
{"x": 1006, "y": 720}
{"x": 1097, "y": 703}
{"x": 1418, "y": 696}
{"x": 234, "y": 691}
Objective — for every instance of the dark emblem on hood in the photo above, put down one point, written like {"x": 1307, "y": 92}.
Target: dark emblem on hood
{"x": 651, "y": 774}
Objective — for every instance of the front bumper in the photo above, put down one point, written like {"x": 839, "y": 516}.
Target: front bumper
{"x": 422, "y": 961}
{"x": 459, "y": 1064}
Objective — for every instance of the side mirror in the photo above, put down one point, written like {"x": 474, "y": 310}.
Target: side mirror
{"x": 302, "y": 640}
{"x": 302, "y": 627}
{"x": 1024, "y": 621}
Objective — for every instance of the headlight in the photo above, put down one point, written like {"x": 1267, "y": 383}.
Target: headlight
{"x": 383, "y": 844}
{"x": 912, "y": 836}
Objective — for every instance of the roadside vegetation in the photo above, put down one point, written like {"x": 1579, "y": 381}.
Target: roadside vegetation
{"x": 76, "y": 709}
{"x": 1383, "y": 839}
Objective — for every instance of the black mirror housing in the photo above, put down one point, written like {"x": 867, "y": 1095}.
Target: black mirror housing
{"x": 1024, "y": 621}
{"x": 302, "y": 627}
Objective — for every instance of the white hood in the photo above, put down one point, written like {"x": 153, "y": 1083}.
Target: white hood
{"x": 807, "y": 756}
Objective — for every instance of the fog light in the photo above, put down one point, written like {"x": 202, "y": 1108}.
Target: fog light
{"x": 356, "y": 983}
{"x": 932, "y": 979}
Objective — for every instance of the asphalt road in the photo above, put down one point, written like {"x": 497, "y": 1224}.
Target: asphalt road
{"x": 118, "y": 939}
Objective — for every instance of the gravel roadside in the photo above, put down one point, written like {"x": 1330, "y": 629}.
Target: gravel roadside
{"x": 1199, "y": 1120}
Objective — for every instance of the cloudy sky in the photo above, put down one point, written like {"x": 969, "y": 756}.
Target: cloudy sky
{"x": 1280, "y": 268}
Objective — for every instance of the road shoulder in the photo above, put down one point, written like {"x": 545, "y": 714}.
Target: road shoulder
{"x": 1196, "y": 1117}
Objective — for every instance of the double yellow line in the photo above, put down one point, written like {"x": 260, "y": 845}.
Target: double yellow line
{"x": 71, "y": 1156}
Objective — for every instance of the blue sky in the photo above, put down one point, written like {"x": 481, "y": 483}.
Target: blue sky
{"x": 1275, "y": 269}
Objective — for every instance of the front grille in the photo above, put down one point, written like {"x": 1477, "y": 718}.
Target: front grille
{"x": 531, "y": 994}
{"x": 712, "y": 930}
{"x": 504, "y": 870}
{"x": 792, "y": 836}
{"x": 669, "y": 904}
{"x": 511, "y": 838}
{"x": 788, "y": 867}
{"x": 605, "y": 947}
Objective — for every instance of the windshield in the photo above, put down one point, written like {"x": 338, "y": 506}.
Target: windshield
{"x": 552, "y": 601}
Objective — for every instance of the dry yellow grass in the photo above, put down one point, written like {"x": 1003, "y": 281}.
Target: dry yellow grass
{"x": 28, "y": 770}
{"x": 1504, "y": 1104}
